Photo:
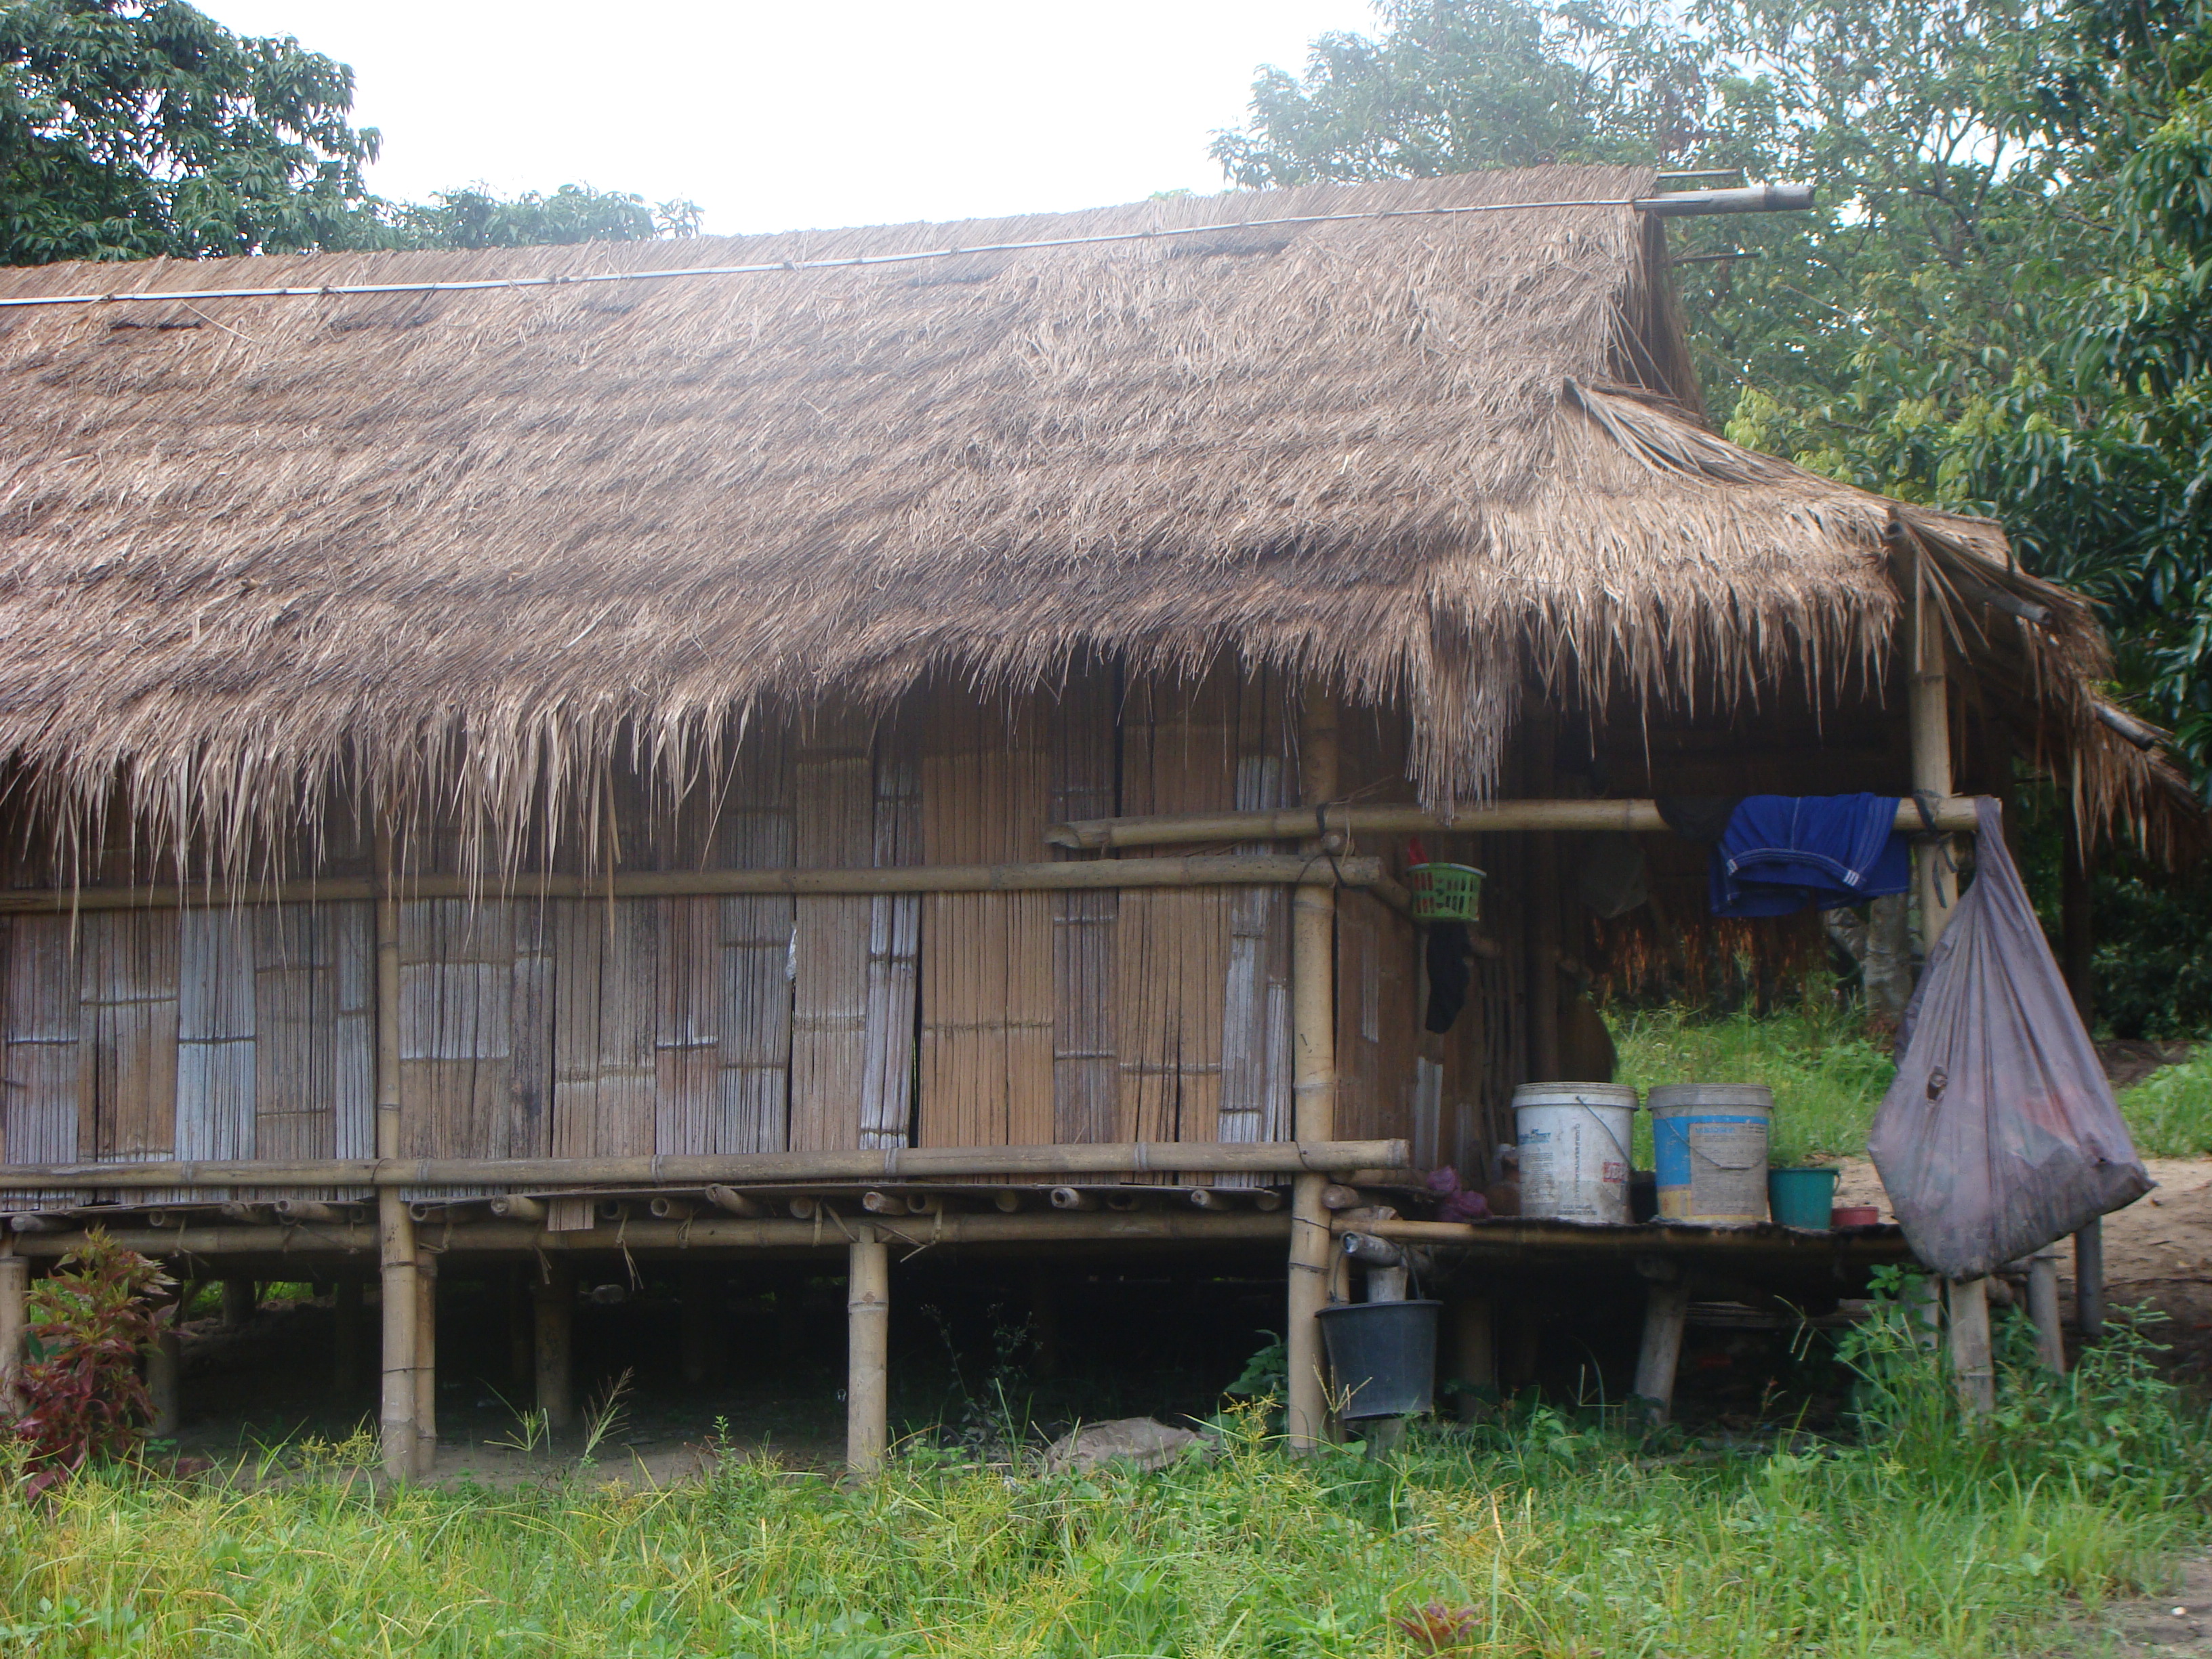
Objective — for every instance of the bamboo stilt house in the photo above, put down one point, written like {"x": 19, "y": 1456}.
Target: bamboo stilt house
{"x": 607, "y": 724}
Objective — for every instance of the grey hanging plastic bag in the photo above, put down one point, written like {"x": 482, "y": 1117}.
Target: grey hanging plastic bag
{"x": 2000, "y": 1134}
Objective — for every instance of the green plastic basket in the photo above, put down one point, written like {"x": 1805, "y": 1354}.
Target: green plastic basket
{"x": 1444, "y": 892}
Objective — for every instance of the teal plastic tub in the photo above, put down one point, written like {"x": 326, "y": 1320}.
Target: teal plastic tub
{"x": 1801, "y": 1198}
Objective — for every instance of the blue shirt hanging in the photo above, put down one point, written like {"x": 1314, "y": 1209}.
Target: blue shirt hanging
{"x": 1782, "y": 854}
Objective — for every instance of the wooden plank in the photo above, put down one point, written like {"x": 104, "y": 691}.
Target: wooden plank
{"x": 43, "y": 1053}
{"x": 834, "y": 808}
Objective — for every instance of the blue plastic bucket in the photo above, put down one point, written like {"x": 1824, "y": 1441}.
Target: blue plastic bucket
{"x": 1802, "y": 1198}
{"x": 1709, "y": 1143}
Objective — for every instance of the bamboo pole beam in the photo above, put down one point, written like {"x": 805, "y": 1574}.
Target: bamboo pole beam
{"x": 1927, "y": 717}
{"x": 397, "y": 1414}
{"x": 867, "y": 1380}
{"x": 1536, "y": 1236}
{"x": 1636, "y": 816}
{"x": 1313, "y": 1087}
{"x": 1283, "y": 1158}
{"x": 14, "y": 1324}
{"x": 1178, "y": 1225}
{"x": 1240, "y": 870}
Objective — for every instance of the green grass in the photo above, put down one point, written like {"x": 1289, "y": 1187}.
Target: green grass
{"x": 1828, "y": 1079}
{"x": 1561, "y": 1537}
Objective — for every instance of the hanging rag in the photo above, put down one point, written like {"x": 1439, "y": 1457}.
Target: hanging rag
{"x": 2000, "y": 1134}
{"x": 1783, "y": 854}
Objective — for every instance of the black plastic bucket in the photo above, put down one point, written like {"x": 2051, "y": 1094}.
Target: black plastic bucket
{"x": 1383, "y": 1356}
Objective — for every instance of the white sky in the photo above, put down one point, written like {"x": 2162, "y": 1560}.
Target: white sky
{"x": 775, "y": 116}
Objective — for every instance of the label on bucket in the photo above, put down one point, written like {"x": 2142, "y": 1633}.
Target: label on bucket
{"x": 1574, "y": 1161}
{"x": 1712, "y": 1167}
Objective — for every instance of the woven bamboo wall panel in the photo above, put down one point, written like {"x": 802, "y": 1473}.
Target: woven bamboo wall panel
{"x": 1083, "y": 763}
{"x": 986, "y": 974}
{"x": 1377, "y": 1022}
{"x": 40, "y": 1123}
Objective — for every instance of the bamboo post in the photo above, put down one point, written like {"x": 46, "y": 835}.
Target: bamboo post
{"x": 521, "y": 1332}
{"x": 15, "y": 1322}
{"x": 867, "y": 1383}
{"x": 1542, "y": 974}
{"x": 1666, "y": 1315}
{"x": 2077, "y": 945}
{"x": 400, "y": 1304}
{"x": 1313, "y": 1091}
{"x": 1973, "y": 1373}
{"x": 2089, "y": 1281}
{"x": 165, "y": 1369}
{"x": 553, "y": 1296}
{"x": 2043, "y": 1307}
{"x": 1474, "y": 1353}
{"x": 238, "y": 1301}
{"x": 346, "y": 1304}
{"x": 697, "y": 1314}
{"x": 426, "y": 1363}
{"x": 1927, "y": 714}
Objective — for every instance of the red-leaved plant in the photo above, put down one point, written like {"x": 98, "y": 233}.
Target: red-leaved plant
{"x": 1437, "y": 1628}
{"x": 81, "y": 1396}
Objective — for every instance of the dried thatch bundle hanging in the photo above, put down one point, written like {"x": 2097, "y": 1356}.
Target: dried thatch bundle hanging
{"x": 456, "y": 549}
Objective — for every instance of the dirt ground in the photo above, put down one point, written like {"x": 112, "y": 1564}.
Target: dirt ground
{"x": 2158, "y": 1250}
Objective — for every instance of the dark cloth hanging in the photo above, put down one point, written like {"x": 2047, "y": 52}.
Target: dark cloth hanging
{"x": 1451, "y": 971}
{"x": 1782, "y": 854}
{"x": 1701, "y": 818}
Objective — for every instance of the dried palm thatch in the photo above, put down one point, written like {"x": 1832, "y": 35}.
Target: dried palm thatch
{"x": 455, "y": 549}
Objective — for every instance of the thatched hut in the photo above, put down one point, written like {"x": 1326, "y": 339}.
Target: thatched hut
{"x": 589, "y": 742}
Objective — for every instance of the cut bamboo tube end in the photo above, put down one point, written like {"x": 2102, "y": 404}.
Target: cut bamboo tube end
{"x": 30, "y": 1222}
{"x": 611, "y": 1209}
{"x": 1266, "y": 1200}
{"x": 1204, "y": 1198}
{"x": 306, "y": 1209}
{"x": 1337, "y": 1197}
{"x": 731, "y": 1201}
{"x": 925, "y": 1204}
{"x": 883, "y": 1203}
{"x": 804, "y": 1208}
{"x": 672, "y": 1209}
{"x": 518, "y": 1208}
{"x": 1073, "y": 1198}
{"x": 1009, "y": 1203}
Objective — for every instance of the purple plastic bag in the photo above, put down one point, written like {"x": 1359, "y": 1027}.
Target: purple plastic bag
{"x": 2000, "y": 1134}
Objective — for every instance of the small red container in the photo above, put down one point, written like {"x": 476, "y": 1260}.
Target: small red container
{"x": 1854, "y": 1215}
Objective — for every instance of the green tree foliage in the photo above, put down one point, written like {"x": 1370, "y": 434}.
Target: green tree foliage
{"x": 131, "y": 128}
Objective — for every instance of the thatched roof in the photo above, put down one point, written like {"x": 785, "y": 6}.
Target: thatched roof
{"x": 246, "y": 545}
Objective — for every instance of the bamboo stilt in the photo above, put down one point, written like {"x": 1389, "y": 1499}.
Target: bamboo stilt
{"x": 867, "y": 1388}
{"x": 2043, "y": 1307}
{"x": 521, "y": 1334}
{"x": 698, "y": 1314}
{"x": 2089, "y": 1281}
{"x": 401, "y": 1308}
{"x": 14, "y": 1320}
{"x": 553, "y": 1297}
{"x": 1666, "y": 1313}
{"x": 1474, "y": 1353}
{"x": 1973, "y": 1373}
{"x": 1313, "y": 1092}
{"x": 425, "y": 1364}
{"x": 347, "y": 1304}
{"x": 165, "y": 1384}
{"x": 238, "y": 1301}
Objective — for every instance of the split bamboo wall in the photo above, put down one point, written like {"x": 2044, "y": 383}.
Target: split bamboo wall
{"x": 598, "y": 1027}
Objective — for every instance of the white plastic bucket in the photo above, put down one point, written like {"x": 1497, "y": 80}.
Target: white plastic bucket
{"x": 1575, "y": 1140}
{"x": 1710, "y": 1141}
